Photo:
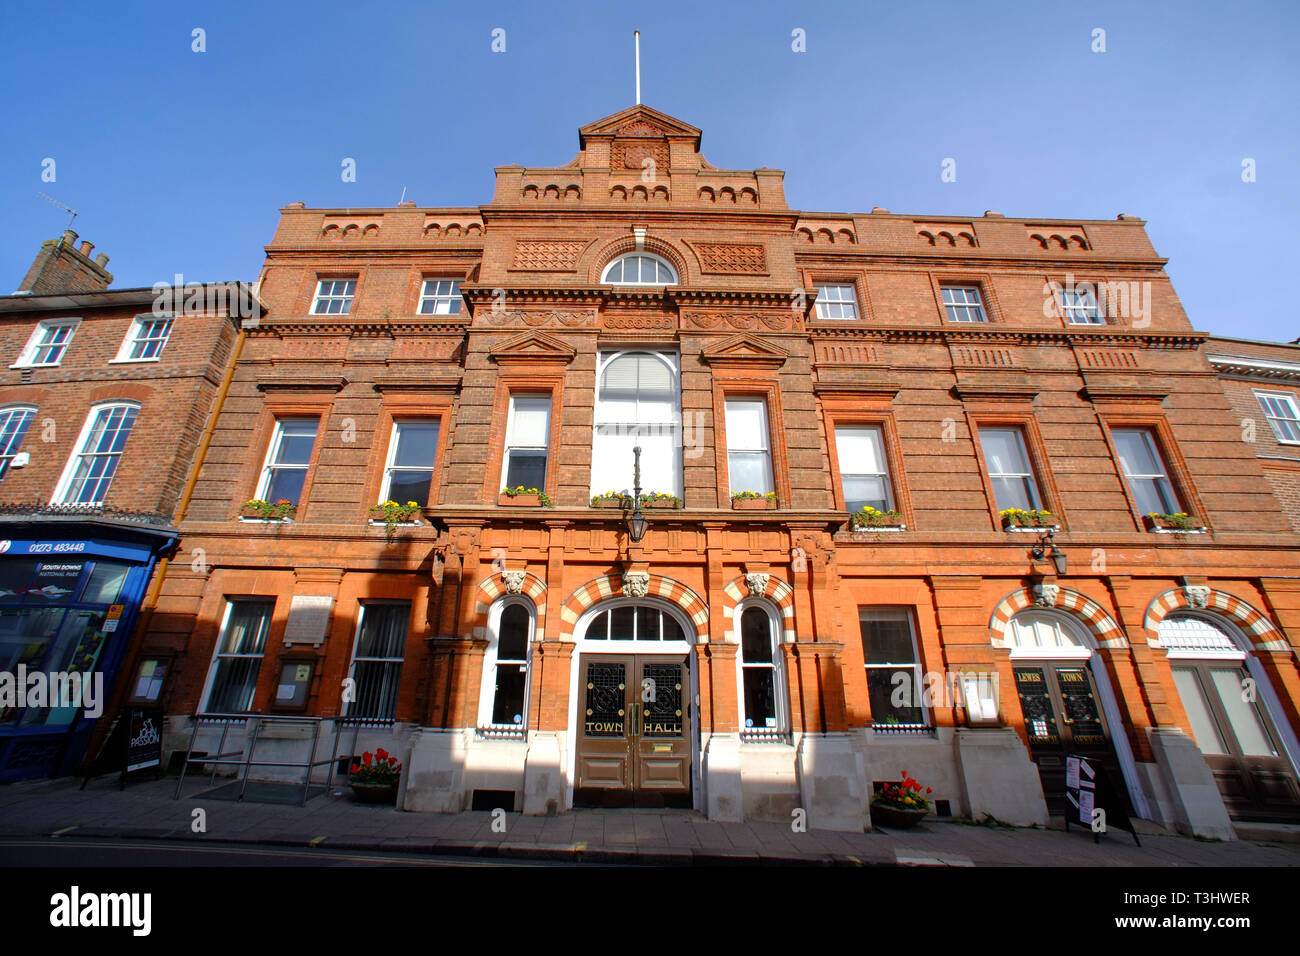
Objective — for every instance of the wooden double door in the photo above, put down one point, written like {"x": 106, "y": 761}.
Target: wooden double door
{"x": 1063, "y": 717}
{"x": 634, "y": 734}
{"x": 1239, "y": 742}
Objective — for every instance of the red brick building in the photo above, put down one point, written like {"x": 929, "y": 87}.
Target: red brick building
{"x": 1071, "y": 550}
{"x": 104, "y": 401}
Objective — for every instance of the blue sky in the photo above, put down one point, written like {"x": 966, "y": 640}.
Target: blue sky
{"x": 178, "y": 161}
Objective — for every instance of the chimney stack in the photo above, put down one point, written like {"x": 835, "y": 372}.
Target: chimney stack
{"x": 61, "y": 268}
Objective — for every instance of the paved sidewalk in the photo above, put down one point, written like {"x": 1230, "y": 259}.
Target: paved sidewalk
{"x": 146, "y": 810}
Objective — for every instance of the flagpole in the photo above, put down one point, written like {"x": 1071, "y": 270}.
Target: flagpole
{"x": 637, "y": 34}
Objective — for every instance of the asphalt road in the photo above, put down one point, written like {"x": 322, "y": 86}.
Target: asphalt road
{"x": 60, "y": 852}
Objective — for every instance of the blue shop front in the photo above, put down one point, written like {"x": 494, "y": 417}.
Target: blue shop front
{"x": 70, "y": 593}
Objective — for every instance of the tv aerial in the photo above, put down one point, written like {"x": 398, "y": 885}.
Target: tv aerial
{"x": 67, "y": 209}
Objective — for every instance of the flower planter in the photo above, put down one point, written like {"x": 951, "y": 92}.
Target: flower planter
{"x": 876, "y": 521}
{"x": 661, "y": 503}
{"x": 884, "y": 815}
{"x": 520, "y": 501}
{"x": 252, "y": 514}
{"x": 858, "y": 528}
{"x": 616, "y": 503}
{"x": 1167, "y": 525}
{"x": 1043, "y": 521}
{"x": 379, "y": 516}
{"x": 753, "y": 504}
{"x": 375, "y": 792}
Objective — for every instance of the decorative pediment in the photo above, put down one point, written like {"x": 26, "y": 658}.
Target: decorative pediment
{"x": 641, "y": 122}
{"x": 745, "y": 352}
{"x": 533, "y": 348}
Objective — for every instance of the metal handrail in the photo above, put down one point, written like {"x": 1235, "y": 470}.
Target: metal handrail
{"x": 247, "y": 761}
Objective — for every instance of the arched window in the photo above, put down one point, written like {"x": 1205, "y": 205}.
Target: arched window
{"x": 634, "y": 622}
{"x": 762, "y": 697}
{"x": 1042, "y": 634}
{"x": 503, "y": 704}
{"x": 638, "y": 403}
{"x": 639, "y": 268}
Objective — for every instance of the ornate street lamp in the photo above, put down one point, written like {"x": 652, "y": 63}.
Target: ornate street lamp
{"x": 636, "y": 522}
{"x": 1047, "y": 549}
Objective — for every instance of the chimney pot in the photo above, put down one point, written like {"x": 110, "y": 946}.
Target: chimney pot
{"x": 101, "y": 260}
{"x": 69, "y": 237}
{"x": 87, "y": 247}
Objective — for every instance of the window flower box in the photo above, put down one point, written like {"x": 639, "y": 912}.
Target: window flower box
{"x": 521, "y": 497}
{"x": 394, "y": 513}
{"x": 872, "y": 519}
{"x": 1021, "y": 519}
{"x": 611, "y": 499}
{"x": 658, "y": 500}
{"x": 1179, "y": 523}
{"x": 753, "y": 501}
{"x": 259, "y": 510}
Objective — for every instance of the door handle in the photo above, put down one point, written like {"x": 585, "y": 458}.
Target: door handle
{"x": 632, "y": 721}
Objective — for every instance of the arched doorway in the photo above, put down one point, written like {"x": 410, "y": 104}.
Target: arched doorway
{"x": 1068, "y": 706}
{"x": 634, "y": 732}
{"x": 1230, "y": 706}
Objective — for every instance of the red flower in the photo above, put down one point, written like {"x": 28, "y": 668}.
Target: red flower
{"x": 355, "y": 768}
{"x": 904, "y": 774}
{"x": 365, "y": 758}
{"x": 928, "y": 790}
{"x": 381, "y": 753}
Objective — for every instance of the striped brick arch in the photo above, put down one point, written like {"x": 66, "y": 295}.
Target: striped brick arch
{"x": 611, "y": 586}
{"x": 1256, "y": 625}
{"x": 776, "y": 591}
{"x": 493, "y": 587}
{"x": 1088, "y": 612}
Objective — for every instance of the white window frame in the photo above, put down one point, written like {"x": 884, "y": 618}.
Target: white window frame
{"x": 1036, "y": 493}
{"x": 883, "y": 612}
{"x": 1293, "y": 420}
{"x": 26, "y": 358}
{"x": 604, "y": 274}
{"x": 1081, "y": 303}
{"x": 603, "y": 418}
{"x": 885, "y": 476}
{"x": 269, "y": 463}
{"x": 389, "y": 467}
{"x": 765, "y": 432}
{"x": 345, "y": 298}
{"x": 356, "y": 645}
{"x": 1161, "y": 479}
{"x": 438, "y": 299}
{"x": 780, "y": 699}
{"x": 964, "y": 308}
{"x": 847, "y": 307}
{"x": 217, "y": 656}
{"x": 488, "y": 688}
{"x": 508, "y": 446}
{"x": 10, "y": 450}
{"x": 79, "y": 451}
{"x": 138, "y": 324}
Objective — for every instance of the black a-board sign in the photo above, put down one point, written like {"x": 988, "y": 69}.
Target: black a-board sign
{"x": 1087, "y": 789}
{"x": 134, "y": 742}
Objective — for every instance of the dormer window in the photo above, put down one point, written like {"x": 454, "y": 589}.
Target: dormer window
{"x": 639, "y": 268}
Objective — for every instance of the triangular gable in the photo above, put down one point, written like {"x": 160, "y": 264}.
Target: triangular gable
{"x": 745, "y": 351}
{"x": 639, "y": 121}
{"x": 533, "y": 347}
